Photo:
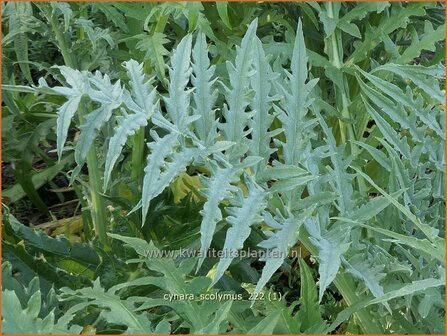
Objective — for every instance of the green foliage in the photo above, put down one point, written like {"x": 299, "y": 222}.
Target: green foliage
{"x": 116, "y": 311}
{"x": 275, "y": 127}
{"x": 331, "y": 249}
{"x": 54, "y": 260}
{"x": 19, "y": 320}
{"x": 241, "y": 217}
{"x": 20, "y": 21}
{"x": 140, "y": 101}
{"x": 204, "y": 95}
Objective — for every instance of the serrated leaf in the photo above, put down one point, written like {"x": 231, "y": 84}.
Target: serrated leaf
{"x": 396, "y": 113}
{"x": 426, "y": 42}
{"x": 369, "y": 274}
{"x": 64, "y": 9}
{"x": 25, "y": 320}
{"x": 112, "y": 14}
{"x": 373, "y": 207}
{"x": 341, "y": 178}
{"x": 78, "y": 84}
{"x": 388, "y": 132}
{"x": 279, "y": 243}
{"x": 217, "y": 189}
{"x": 159, "y": 150}
{"x": 357, "y": 13}
{"x": 291, "y": 183}
{"x": 296, "y": 101}
{"x": 241, "y": 216}
{"x": 376, "y": 154}
{"x": 261, "y": 105}
{"x": 385, "y": 27}
{"x": 177, "y": 104}
{"x": 219, "y": 317}
{"x": 204, "y": 94}
{"x": 331, "y": 247}
{"x": 109, "y": 96}
{"x": 142, "y": 102}
{"x": 428, "y": 231}
{"x": 435, "y": 250}
{"x": 266, "y": 326}
{"x": 18, "y": 26}
{"x": 154, "y": 46}
{"x": 59, "y": 246}
{"x": 279, "y": 172}
{"x": 234, "y": 112}
{"x": 116, "y": 310}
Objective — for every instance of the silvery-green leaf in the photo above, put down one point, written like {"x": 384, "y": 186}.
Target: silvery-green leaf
{"x": 177, "y": 103}
{"x": 218, "y": 187}
{"x": 261, "y": 105}
{"x": 109, "y": 96}
{"x": 331, "y": 247}
{"x": 142, "y": 102}
{"x": 159, "y": 150}
{"x": 279, "y": 242}
{"x": 236, "y": 96}
{"x": 241, "y": 216}
{"x": 66, "y": 112}
{"x": 204, "y": 94}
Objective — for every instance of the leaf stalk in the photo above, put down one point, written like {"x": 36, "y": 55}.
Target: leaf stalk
{"x": 97, "y": 206}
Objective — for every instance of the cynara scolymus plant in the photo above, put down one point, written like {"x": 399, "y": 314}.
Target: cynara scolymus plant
{"x": 188, "y": 134}
{"x": 264, "y": 174}
{"x": 348, "y": 166}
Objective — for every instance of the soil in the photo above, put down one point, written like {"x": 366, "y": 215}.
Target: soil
{"x": 27, "y": 213}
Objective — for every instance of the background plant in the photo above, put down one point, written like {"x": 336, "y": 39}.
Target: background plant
{"x": 328, "y": 138}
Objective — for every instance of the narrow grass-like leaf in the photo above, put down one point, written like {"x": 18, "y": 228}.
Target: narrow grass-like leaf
{"x": 429, "y": 232}
{"x": 309, "y": 311}
{"x": 388, "y": 132}
{"x": 409, "y": 289}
